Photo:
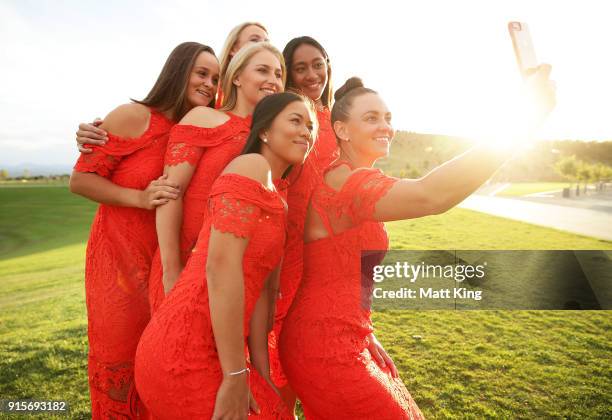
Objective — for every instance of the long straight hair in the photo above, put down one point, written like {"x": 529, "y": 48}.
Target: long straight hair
{"x": 264, "y": 115}
{"x": 288, "y": 53}
{"x": 169, "y": 91}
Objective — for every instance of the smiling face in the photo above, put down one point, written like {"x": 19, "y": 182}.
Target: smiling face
{"x": 291, "y": 134}
{"x": 261, "y": 76}
{"x": 309, "y": 71}
{"x": 368, "y": 128}
{"x": 203, "y": 80}
{"x": 250, "y": 34}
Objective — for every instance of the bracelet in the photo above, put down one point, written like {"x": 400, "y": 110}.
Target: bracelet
{"x": 239, "y": 372}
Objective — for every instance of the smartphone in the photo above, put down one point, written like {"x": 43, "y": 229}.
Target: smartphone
{"x": 523, "y": 47}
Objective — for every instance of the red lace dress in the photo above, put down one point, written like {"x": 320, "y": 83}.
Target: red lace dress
{"x": 324, "y": 339}
{"x": 302, "y": 181}
{"x": 209, "y": 150}
{"x": 119, "y": 251}
{"x": 177, "y": 367}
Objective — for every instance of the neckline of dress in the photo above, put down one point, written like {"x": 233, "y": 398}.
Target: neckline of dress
{"x": 274, "y": 193}
{"x": 340, "y": 162}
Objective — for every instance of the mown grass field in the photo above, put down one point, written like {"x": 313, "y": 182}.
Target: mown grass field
{"x": 467, "y": 364}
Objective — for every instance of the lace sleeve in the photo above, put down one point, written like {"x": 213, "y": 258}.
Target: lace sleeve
{"x": 367, "y": 186}
{"x": 182, "y": 152}
{"x": 231, "y": 214}
{"x": 238, "y": 204}
{"x": 104, "y": 159}
{"x": 188, "y": 142}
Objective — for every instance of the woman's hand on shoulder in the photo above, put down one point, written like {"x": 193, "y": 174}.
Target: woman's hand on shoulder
{"x": 89, "y": 133}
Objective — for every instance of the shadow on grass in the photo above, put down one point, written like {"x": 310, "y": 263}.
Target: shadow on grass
{"x": 37, "y": 219}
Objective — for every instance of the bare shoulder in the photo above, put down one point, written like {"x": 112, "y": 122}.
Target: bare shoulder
{"x": 251, "y": 165}
{"x": 127, "y": 120}
{"x": 337, "y": 177}
{"x": 203, "y": 116}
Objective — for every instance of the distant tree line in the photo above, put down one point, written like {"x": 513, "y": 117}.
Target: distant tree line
{"x": 413, "y": 155}
{"x": 26, "y": 176}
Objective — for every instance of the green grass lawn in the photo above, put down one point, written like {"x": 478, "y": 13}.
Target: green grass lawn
{"x": 467, "y": 364}
{"x": 524, "y": 188}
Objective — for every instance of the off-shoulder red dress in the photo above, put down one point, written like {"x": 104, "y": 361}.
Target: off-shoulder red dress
{"x": 324, "y": 339}
{"x": 177, "y": 366}
{"x": 119, "y": 252}
{"x": 209, "y": 150}
{"x": 302, "y": 181}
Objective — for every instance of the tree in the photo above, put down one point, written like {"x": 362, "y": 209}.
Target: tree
{"x": 4, "y": 174}
{"x": 567, "y": 167}
{"x": 584, "y": 174}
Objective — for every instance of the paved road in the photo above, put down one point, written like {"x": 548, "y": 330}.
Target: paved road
{"x": 592, "y": 220}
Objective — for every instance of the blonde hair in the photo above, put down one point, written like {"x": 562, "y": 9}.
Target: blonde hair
{"x": 225, "y": 58}
{"x": 237, "y": 65}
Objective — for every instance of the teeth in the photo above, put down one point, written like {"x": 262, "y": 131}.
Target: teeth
{"x": 202, "y": 92}
{"x": 268, "y": 90}
{"x": 382, "y": 139}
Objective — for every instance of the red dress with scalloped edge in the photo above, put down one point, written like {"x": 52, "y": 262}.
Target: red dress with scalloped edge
{"x": 119, "y": 251}
{"x": 302, "y": 181}
{"x": 177, "y": 366}
{"x": 324, "y": 339}
{"x": 209, "y": 150}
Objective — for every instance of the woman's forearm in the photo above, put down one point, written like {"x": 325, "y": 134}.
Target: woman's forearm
{"x": 104, "y": 191}
{"x": 453, "y": 181}
{"x": 272, "y": 289}
{"x": 226, "y": 303}
{"x": 258, "y": 335}
{"x": 168, "y": 221}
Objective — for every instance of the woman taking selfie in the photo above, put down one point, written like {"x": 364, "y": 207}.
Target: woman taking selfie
{"x": 326, "y": 335}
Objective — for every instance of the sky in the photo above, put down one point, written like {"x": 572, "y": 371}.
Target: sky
{"x": 444, "y": 67}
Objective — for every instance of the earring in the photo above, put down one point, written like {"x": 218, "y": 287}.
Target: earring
{"x": 265, "y": 140}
